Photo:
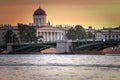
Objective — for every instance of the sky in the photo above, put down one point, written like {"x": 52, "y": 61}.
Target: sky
{"x": 95, "y": 13}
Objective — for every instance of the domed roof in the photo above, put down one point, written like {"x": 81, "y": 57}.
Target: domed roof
{"x": 39, "y": 11}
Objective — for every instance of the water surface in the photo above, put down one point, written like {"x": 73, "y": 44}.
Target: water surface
{"x": 59, "y": 67}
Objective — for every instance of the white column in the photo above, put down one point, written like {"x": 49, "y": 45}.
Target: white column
{"x": 61, "y": 36}
{"x": 57, "y": 35}
{"x": 51, "y": 36}
{"x": 43, "y": 36}
{"x": 46, "y": 36}
{"x": 54, "y": 37}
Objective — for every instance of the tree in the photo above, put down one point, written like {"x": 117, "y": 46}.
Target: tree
{"x": 27, "y": 33}
{"x": 71, "y": 34}
{"x": 76, "y": 33}
{"x": 80, "y": 32}
{"x": 40, "y": 38}
{"x": 90, "y": 35}
{"x": 11, "y": 37}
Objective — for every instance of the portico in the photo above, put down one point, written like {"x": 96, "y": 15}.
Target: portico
{"x": 50, "y": 33}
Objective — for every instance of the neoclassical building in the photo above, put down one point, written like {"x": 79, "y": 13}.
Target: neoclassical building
{"x": 39, "y": 17}
{"x": 44, "y": 29}
{"x": 107, "y": 34}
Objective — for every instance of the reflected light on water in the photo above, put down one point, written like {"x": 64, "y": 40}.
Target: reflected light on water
{"x": 59, "y": 67}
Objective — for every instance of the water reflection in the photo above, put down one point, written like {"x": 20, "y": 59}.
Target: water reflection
{"x": 59, "y": 67}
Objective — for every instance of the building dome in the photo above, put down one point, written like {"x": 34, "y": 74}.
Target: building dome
{"x": 39, "y": 11}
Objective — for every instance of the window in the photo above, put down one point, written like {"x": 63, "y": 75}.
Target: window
{"x": 38, "y": 33}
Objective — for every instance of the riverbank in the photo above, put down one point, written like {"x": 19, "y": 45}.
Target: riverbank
{"x": 53, "y": 51}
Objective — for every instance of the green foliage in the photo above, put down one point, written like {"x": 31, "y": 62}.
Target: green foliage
{"x": 90, "y": 35}
{"x": 76, "y": 33}
{"x": 71, "y": 34}
{"x": 80, "y": 32}
{"x": 40, "y": 38}
{"x": 11, "y": 37}
{"x": 27, "y": 33}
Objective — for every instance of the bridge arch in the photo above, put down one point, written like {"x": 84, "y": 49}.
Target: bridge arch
{"x": 33, "y": 48}
{"x": 98, "y": 45}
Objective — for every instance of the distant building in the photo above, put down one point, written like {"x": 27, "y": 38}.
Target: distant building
{"x": 4, "y": 29}
{"x": 90, "y": 29}
{"x": 48, "y": 32}
{"x": 39, "y": 17}
{"x": 107, "y": 34}
{"x": 44, "y": 29}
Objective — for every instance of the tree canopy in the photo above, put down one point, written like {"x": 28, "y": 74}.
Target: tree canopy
{"x": 71, "y": 34}
{"x": 27, "y": 33}
{"x": 11, "y": 37}
{"x": 78, "y": 33}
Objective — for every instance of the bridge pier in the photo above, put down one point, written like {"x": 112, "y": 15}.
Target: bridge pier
{"x": 9, "y": 47}
{"x": 64, "y": 46}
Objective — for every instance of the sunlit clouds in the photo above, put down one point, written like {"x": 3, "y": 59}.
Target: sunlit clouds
{"x": 96, "y": 13}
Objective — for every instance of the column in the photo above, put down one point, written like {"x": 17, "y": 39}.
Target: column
{"x": 46, "y": 36}
{"x": 50, "y": 36}
{"x": 54, "y": 36}
{"x": 61, "y": 36}
{"x": 58, "y": 36}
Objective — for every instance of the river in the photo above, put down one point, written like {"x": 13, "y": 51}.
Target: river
{"x": 59, "y": 67}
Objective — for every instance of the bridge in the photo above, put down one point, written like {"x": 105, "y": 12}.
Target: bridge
{"x": 97, "y": 45}
{"x": 31, "y": 47}
{"x": 61, "y": 46}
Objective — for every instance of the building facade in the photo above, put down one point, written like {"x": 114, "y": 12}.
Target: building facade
{"x": 107, "y": 34}
{"x": 3, "y": 31}
{"x": 39, "y": 17}
{"x": 44, "y": 29}
{"x": 51, "y": 33}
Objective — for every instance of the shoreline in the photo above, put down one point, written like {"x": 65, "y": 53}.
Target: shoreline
{"x": 85, "y": 52}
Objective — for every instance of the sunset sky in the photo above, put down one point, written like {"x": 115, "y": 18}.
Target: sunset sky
{"x": 96, "y": 13}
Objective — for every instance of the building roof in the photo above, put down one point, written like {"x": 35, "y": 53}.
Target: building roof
{"x": 39, "y": 11}
{"x": 117, "y": 28}
{"x": 8, "y": 28}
